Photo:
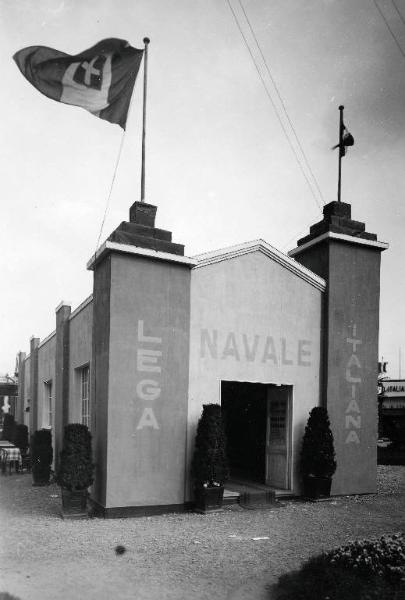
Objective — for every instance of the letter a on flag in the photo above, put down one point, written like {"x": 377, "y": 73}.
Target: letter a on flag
{"x": 100, "y": 79}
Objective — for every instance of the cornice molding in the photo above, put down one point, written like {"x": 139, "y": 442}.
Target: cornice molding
{"x": 108, "y": 247}
{"x": 339, "y": 237}
{"x": 81, "y": 307}
{"x": 277, "y": 256}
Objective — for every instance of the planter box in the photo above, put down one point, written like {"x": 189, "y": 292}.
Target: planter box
{"x": 74, "y": 501}
{"x": 38, "y": 480}
{"x": 390, "y": 456}
{"x": 208, "y": 499}
{"x": 317, "y": 487}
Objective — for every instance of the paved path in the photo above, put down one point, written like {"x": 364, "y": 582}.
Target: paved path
{"x": 176, "y": 557}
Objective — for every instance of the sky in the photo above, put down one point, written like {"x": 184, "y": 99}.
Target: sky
{"x": 219, "y": 165}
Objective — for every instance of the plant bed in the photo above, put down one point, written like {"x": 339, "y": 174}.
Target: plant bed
{"x": 366, "y": 570}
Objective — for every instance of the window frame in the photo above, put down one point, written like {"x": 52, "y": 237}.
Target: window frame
{"x": 84, "y": 390}
{"x": 47, "y": 415}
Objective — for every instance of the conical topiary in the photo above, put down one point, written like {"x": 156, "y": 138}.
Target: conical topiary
{"x": 318, "y": 453}
{"x": 8, "y": 427}
{"x": 210, "y": 463}
{"x": 21, "y": 437}
{"x": 42, "y": 455}
{"x": 76, "y": 468}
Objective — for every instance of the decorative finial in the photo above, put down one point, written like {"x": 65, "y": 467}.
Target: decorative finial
{"x": 341, "y": 107}
{"x": 146, "y": 40}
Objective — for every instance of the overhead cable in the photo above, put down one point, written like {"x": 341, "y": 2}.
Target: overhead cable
{"x": 111, "y": 187}
{"x": 297, "y": 157}
{"x": 398, "y": 11}
{"x": 389, "y": 28}
{"x": 281, "y": 101}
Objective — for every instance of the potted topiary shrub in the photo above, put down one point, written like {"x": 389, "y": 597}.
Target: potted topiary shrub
{"x": 8, "y": 427}
{"x": 75, "y": 472}
{"x": 42, "y": 455}
{"x": 21, "y": 438}
{"x": 318, "y": 462}
{"x": 210, "y": 464}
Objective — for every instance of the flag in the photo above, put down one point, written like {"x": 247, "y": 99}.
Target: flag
{"x": 347, "y": 140}
{"x": 100, "y": 79}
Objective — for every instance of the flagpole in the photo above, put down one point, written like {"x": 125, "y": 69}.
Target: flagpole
{"x": 341, "y": 128}
{"x": 146, "y": 41}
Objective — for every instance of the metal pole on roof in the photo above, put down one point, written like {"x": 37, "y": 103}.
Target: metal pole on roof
{"x": 341, "y": 151}
{"x": 145, "y": 82}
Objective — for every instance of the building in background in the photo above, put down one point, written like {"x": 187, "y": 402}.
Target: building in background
{"x": 392, "y": 409}
{"x": 8, "y": 395}
{"x": 266, "y": 335}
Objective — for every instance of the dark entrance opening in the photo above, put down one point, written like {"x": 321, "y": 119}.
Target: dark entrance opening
{"x": 244, "y": 408}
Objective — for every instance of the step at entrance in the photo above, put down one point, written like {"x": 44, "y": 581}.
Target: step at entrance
{"x": 257, "y": 498}
{"x": 248, "y": 494}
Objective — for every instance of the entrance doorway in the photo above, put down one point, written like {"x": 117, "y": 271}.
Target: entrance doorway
{"x": 257, "y": 420}
{"x": 244, "y": 407}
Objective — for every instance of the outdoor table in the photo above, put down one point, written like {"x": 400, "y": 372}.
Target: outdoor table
{"x": 9, "y": 456}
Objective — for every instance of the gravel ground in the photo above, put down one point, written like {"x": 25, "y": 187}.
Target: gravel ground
{"x": 175, "y": 557}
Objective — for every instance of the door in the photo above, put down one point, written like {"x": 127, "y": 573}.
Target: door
{"x": 278, "y": 437}
{"x": 244, "y": 410}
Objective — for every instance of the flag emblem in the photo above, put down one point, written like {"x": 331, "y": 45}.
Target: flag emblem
{"x": 100, "y": 79}
{"x": 89, "y": 73}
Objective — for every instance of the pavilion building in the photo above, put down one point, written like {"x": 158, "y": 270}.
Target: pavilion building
{"x": 266, "y": 335}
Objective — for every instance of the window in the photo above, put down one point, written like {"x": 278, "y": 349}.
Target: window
{"x": 85, "y": 395}
{"x": 47, "y": 416}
